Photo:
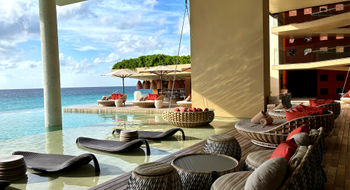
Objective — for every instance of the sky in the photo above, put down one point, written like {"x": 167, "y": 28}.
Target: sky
{"x": 93, "y": 35}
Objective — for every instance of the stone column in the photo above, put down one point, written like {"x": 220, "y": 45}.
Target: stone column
{"x": 51, "y": 67}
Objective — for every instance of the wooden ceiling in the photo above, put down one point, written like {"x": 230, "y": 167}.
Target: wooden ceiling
{"x": 334, "y": 64}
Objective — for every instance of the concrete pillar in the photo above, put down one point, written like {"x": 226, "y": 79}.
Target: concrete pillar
{"x": 230, "y": 56}
{"x": 274, "y": 59}
{"x": 51, "y": 67}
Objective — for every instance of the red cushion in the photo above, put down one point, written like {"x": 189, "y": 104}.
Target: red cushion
{"x": 315, "y": 103}
{"x": 116, "y": 96}
{"x": 285, "y": 150}
{"x": 311, "y": 110}
{"x": 153, "y": 96}
{"x": 301, "y": 128}
{"x": 293, "y": 114}
{"x": 347, "y": 94}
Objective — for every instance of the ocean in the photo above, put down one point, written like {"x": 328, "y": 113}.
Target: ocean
{"x": 22, "y": 110}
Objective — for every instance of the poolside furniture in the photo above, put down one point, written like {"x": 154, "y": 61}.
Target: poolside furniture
{"x": 111, "y": 100}
{"x": 4, "y": 184}
{"x": 306, "y": 174}
{"x": 188, "y": 119}
{"x": 150, "y": 101}
{"x": 200, "y": 170}
{"x": 272, "y": 135}
{"x": 154, "y": 135}
{"x": 154, "y": 175}
{"x": 106, "y": 102}
{"x": 255, "y": 159}
{"x": 52, "y": 163}
{"x": 158, "y": 103}
{"x": 223, "y": 144}
{"x": 144, "y": 104}
{"x": 112, "y": 146}
{"x": 128, "y": 135}
{"x": 12, "y": 168}
{"x": 137, "y": 95}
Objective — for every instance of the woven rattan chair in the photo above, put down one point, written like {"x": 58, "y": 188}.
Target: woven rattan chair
{"x": 112, "y": 146}
{"x": 272, "y": 135}
{"x": 106, "y": 102}
{"x": 334, "y": 107}
{"x": 56, "y": 162}
{"x": 184, "y": 104}
{"x": 155, "y": 135}
{"x": 188, "y": 119}
{"x": 144, "y": 104}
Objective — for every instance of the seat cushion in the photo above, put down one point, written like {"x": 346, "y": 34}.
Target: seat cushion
{"x": 315, "y": 103}
{"x": 153, "y": 96}
{"x": 255, "y": 159}
{"x": 268, "y": 176}
{"x": 232, "y": 181}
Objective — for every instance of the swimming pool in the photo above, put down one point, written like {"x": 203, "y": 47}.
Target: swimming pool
{"x": 99, "y": 126}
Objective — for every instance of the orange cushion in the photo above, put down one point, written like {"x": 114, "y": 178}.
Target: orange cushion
{"x": 347, "y": 94}
{"x": 301, "y": 128}
{"x": 153, "y": 96}
{"x": 315, "y": 103}
{"x": 285, "y": 150}
{"x": 116, "y": 96}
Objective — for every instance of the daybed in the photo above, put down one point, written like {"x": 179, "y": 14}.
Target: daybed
{"x": 148, "y": 101}
{"x": 272, "y": 135}
{"x": 308, "y": 174}
{"x": 186, "y": 103}
{"x": 110, "y": 101}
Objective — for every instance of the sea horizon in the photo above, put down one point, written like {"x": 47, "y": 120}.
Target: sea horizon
{"x": 65, "y": 87}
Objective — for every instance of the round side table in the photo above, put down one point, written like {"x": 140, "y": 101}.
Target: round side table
{"x": 198, "y": 171}
{"x": 154, "y": 175}
{"x": 223, "y": 144}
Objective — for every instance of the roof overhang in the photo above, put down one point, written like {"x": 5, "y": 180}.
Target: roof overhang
{"x": 278, "y": 6}
{"x": 67, "y": 2}
{"x": 327, "y": 65}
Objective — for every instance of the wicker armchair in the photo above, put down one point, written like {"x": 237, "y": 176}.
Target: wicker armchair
{"x": 271, "y": 136}
{"x": 188, "y": 119}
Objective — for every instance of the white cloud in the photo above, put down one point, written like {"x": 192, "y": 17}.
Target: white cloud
{"x": 86, "y": 48}
{"x": 75, "y": 66}
{"x": 111, "y": 58}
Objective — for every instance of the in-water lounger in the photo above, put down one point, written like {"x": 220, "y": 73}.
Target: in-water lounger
{"x": 153, "y": 135}
{"x": 56, "y": 162}
{"x": 112, "y": 146}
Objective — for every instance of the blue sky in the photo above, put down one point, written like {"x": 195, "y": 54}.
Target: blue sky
{"x": 93, "y": 35}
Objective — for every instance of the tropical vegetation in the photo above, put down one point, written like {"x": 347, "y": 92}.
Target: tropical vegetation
{"x": 152, "y": 60}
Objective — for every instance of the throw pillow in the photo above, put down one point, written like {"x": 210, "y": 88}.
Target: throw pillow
{"x": 313, "y": 135}
{"x": 268, "y": 176}
{"x": 285, "y": 150}
{"x": 297, "y": 157}
{"x": 301, "y": 128}
{"x": 293, "y": 114}
{"x": 302, "y": 139}
{"x": 315, "y": 103}
{"x": 153, "y": 96}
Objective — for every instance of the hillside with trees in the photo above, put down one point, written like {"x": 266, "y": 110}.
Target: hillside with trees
{"x": 151, "y": 60}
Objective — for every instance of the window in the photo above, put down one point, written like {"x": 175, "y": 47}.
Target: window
{"x": 340, "y": 77}
{"x": 293, "y": 13}
{"x": 324, "y": 77}
{"x": 307, "y": 51}
{"x": 339, "y": 37}
{"x": 324, "y": 91}
{"x": 339, "y": 49}
{"x": 323, "y": 37}
{"x": 308, "y": 11}
{"x": 339, "y": 7}
{"x": 308, "y": 39}
{"x": 292, "y": 52}
{"x": 323, "y": 9}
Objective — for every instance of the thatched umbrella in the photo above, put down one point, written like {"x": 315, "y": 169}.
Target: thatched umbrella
{"x": 160, "y": 71}
{"x": 139, "y": 85}
{"x": 121, "y": 73}
{"x": 153, "y": 85}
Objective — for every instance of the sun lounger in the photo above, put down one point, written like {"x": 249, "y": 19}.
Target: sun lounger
{"x": 185, "y": 104}
{"x": 56, "y": 162}
{"x": 272, "y": 135}
{"x": 144, "y": 104}
{"x": 112, "y": 146}
{"x": 106, "y": 102}
{"x": 153, "y": 135}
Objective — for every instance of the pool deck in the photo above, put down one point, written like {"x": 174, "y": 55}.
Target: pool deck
{"x": 128, "y": 108}
{"x": 336, "y": 161}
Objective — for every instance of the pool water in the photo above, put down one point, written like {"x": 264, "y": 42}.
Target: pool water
{"x": 98, "y": 126}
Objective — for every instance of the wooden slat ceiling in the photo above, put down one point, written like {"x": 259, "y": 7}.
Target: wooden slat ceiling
{"x": 278, "y": 6}
{"x": 325, "y": 25}
{"x": 328, "y": 64}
